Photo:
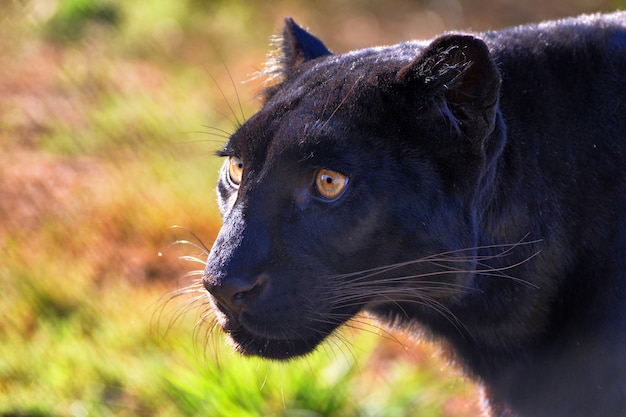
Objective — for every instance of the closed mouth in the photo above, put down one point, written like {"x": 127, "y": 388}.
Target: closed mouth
{"x": 268, "y": 339}
{"x": 280, "y": 346}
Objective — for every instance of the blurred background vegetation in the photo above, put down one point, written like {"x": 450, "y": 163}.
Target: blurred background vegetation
{"x": 110, "y": 113}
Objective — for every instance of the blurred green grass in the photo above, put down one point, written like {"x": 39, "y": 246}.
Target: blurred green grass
{"x": 110, "y": 113}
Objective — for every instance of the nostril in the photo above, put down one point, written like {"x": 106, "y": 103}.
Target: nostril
{"x": 234, "y": 292}
{"x": 239, "y": 297}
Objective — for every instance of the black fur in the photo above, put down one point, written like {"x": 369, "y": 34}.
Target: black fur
{"x": 485, "y": 201}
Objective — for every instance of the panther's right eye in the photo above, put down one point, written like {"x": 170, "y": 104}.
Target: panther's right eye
{"x": 235, "y": 170}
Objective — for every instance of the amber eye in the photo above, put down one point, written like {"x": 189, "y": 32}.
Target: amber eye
{"x": 235, "y": 170}
{"x": 330, "y": 184}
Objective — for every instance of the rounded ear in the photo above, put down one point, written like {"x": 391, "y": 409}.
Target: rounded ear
{"x": 299, "y": 46}
{"x": 460, "y": 72}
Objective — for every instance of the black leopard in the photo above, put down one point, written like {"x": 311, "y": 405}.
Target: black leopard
{"x": 473, "y": 185}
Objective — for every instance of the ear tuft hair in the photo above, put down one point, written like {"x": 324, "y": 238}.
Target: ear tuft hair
{"x": 295, "y": 47}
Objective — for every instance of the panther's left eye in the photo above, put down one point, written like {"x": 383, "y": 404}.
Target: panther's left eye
{"x": 235, "y": 170}
{"x": 330, "y": 184}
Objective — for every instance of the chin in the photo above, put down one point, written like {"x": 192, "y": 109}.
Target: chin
{"x": 268, "y": 348}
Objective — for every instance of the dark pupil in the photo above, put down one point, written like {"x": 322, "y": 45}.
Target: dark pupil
{"x": 329, "y": 180}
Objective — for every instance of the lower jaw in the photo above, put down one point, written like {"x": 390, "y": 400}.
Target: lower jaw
{"x": 276, "y": 349}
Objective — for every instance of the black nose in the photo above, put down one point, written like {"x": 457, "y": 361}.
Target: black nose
{"x": 233, "y": 293}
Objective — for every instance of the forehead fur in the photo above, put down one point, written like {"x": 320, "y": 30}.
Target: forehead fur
{"x": 310, "y": 104}
{"x": 359, "y": 64}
